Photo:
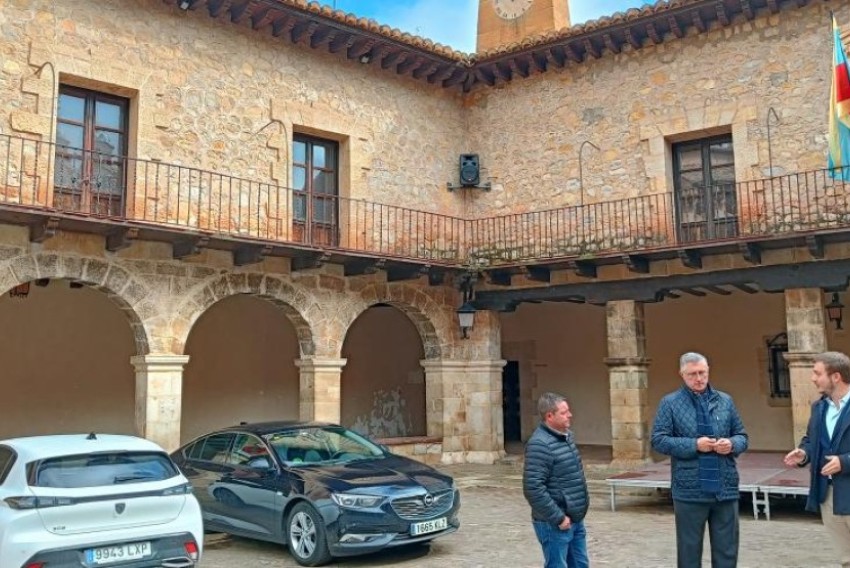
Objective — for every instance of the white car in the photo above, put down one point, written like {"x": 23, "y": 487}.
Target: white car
{"x": 87, "y": 501}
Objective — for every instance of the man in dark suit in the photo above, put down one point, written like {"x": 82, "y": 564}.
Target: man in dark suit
{"x": 826, "y": 446}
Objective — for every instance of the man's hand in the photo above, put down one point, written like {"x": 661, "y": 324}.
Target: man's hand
{"x": 723, "y": 446}
{"x": 565, "y": 524}
{"x": 832, "y": 467}
{"x": 705, "y": 444}
{"x": 794, "y": 457}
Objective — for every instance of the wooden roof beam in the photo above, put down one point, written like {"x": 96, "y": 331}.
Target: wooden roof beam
{"x": 517, "y": 68}
{"x": 652, "y": 33}
{"x": 675, "y": 27}
{"x": 411, "y": 64}
{"x": 632, "y": 38}
{"x": 303, "y": 30}
{"x": 341, "y": 41}
{"x": 502, "y": 72}
{"x": 361, "y": 48}
{"x": 443, "y": 73}
{"x": 460, "y": 75}
{"x": 237, "y": 11}
{"x": 393, "y": 58}
{"x": 485, "y": 76}
{"x": 262, "y": 18}
{"x": 698, "y": 22}
{"x": 426, "y": 71}
{"x": 322, "y": 37}
{"x": 282, "y": 25}
{"x": 217, "y": 7}
{"x": 722, "y": 16}
{"x": 612, "y": 46}
{"x": 556, "y": 56}
{"x": 748, "y": 10}
{"x": 540, "y": 61}
{"x": 773, "y": 6}
{"x": 590, "y": 49}
{"x": 571, "y": 52}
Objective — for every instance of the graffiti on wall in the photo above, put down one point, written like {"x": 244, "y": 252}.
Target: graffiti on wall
{"x": 388, "y": 417}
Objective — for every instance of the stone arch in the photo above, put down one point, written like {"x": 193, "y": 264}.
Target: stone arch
{"x": 126, "y": 291}
{"x": 428, "y": 315}
{"x": 282, "y": 294}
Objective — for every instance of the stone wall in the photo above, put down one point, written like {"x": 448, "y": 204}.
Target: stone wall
{"x": 633, "y": 105}
{"x": 212, "y": 95}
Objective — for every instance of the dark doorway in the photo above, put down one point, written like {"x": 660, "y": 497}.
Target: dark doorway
{"x": 510, "y": 402}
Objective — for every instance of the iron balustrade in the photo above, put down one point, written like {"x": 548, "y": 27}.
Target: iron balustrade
{"x": 46, "y": 176}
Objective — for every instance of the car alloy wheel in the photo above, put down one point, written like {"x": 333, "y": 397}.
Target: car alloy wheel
{"x": 307, "y": 540}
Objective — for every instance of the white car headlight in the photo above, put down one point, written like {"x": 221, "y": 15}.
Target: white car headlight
{"x": 351, "y": 501}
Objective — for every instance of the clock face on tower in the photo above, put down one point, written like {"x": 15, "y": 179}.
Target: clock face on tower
{"x": 511, "y": 9}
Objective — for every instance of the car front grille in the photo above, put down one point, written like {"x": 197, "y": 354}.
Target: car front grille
{"x": 421, "y": 507}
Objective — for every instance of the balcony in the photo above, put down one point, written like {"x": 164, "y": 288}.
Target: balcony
{"x": 44, "y": 185}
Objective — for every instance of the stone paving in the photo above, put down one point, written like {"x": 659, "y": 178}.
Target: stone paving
{"x": 496, "y": 531}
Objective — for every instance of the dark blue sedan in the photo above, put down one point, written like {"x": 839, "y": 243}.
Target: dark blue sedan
{"x": 321, "y": 489}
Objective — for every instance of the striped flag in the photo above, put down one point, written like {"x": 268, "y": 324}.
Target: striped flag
{"x": 839, "y": 111}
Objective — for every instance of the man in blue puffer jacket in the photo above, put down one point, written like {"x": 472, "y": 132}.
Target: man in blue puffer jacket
{"x": 554, "y": 485}
{"x": 700, "y": 429}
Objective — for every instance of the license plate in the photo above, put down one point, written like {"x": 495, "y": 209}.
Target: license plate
{"x": 117, "y": 553}
{"x": 429, "y": 526}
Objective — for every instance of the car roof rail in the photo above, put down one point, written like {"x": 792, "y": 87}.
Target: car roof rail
{"x": 91, "y": 436}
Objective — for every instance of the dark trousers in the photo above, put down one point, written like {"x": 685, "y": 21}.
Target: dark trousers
{"x": 722, "y": 519}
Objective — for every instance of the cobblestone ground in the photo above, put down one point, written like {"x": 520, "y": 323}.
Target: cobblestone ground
{"x": 496, "y": 531}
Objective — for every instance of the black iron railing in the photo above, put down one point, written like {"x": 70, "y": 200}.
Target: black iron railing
{"x": 42, "y": 175}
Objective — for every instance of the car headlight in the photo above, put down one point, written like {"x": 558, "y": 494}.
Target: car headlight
{"x": 350, "y": 501}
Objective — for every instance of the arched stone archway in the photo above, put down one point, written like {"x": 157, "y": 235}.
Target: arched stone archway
{"x": 70, "y": 342}
{"x": 130, "y": 294}
{"x": 292, "y": 301}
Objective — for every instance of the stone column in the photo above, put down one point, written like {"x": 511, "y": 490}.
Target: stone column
{"x": 159, "y": 393}
{"x": 320, "y": 389}
{"x": 464, "y": 406}
{"x": 629, "y": 380}
{"x": 806, "y": 338}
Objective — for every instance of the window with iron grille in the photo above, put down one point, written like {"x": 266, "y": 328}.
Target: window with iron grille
{"x": 780, "y": 375}
{"x": 91, "y": 148}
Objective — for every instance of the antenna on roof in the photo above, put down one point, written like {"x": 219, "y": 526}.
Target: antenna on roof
{"x": 91, "y": 436}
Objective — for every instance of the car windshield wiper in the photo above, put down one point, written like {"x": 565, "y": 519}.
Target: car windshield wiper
{"x": 133, "y": 477}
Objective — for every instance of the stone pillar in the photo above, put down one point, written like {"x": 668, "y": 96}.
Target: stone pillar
{"x": 629, "y": 381}
{"x": 159, "y": 393}
{"x": 320, "y": 398}
{"x": 804, "y": 320}
{"x": 464, "y": 406}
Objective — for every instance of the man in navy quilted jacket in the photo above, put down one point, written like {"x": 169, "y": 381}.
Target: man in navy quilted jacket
{"x": 700, "y": 429}
{"x": 554, "y": 485}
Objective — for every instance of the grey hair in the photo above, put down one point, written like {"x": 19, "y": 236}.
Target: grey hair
{"x": 691, "y": 357}
{"x": 835, "y": 362}
{"x": 548, "y": 402}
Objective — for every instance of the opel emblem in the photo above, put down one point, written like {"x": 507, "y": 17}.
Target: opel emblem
{"x": 119, "y": 507}
{"x": 428, "y": 500}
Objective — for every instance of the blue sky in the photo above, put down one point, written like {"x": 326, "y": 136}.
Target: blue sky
{"x": 453, "y": 22}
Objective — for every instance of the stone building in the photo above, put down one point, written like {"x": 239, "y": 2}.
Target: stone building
{"x": 223, "y": 210}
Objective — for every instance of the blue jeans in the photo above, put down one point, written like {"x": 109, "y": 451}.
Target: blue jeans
{"x": 563, "y": 549}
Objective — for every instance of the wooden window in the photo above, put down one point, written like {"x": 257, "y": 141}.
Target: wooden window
{"x": 780, "y": 375}
{"x": 706, "y": 198}
{"x": 315, "y": 175}
{"x": 91, "y": 149}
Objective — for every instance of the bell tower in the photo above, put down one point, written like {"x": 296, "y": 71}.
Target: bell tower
{"x": 507, "y": 21}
